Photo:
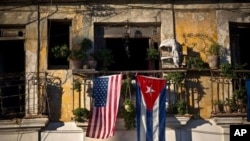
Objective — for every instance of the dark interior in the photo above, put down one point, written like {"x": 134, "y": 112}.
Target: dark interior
{"x": 129, "y": 54}
{"x": 239, "y": 41}
{"x": 12, "y": 56}
{"x": 244, "y": 45}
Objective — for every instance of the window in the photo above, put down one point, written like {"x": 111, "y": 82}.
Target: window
{"x": 128, "y": 43}
{"x": 58, "y": 36}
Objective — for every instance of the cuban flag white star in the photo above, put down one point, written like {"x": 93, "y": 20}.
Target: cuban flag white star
{"x": 150, "y": 90}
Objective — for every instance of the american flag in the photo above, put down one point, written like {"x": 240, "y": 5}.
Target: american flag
{"x": 106, "y": 95}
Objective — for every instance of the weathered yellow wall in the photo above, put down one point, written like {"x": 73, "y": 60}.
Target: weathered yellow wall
{"x": 194, "y": 30}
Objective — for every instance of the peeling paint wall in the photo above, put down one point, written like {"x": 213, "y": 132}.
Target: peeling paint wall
{"x": 195, "y": 27}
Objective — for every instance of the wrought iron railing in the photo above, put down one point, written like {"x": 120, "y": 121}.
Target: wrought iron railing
{"x": 22, "y": 94}
{"x": 184, "y": 95}
{"x": 176, "y": 101}
{"x": 229, "y": 93}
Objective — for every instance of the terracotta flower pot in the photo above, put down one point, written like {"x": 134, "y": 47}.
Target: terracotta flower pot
{"x": 213, "y": 61}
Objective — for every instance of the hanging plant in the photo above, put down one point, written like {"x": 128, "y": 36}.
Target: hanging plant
{"x": 128, "y": 114}
{"x": 128, "y": 109}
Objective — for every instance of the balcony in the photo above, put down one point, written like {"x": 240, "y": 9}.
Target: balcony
{"x": 190, "y": 92}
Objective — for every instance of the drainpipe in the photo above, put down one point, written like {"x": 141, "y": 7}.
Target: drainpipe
{"x": 38, "y": 48}
{"x": 173, "y": 16}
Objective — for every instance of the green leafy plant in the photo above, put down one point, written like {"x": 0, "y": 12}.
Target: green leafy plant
{"x": 152, "y": 54}
{"x": 128, "y": 114}
{"x": 217, "y": 102}
{"x": 240, "y": 98}
{"x": 195, "y": 62}
{"x": 240, "y": 93}
{"x": 60, "y": 51}
{"x": 175, "y": 77}
{"x": 227, "y": 70}
{"x": 214, "y": 49}
{"x": 179, "y": 108}
{"x": 218, "y": 106}
{"x": 81, "y": 53}
{"x": 229, "y": 105}
{"x": 77, "y": 85}
{"x": 104, "y": 58}
{"x": 128, "y": 110}
{"x": 81, "y": 114}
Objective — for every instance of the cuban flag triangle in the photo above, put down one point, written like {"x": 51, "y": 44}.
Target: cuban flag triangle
{"x": 103, "y": 113}
{"x": 150, "y": 108}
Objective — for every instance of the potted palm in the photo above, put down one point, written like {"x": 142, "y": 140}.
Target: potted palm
{"x": 214, "y": 53}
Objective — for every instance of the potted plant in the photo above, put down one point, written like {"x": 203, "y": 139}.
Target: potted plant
{"x": 181, "y": 107}
{"x": 76, "y": 56}
{"x": 128, "y": 114}
{"x": 214, "y": 53}
{"x": 228, "y": 105}
{"x": 174, "y": 77}
{"x": 104, "y": 58}
{"x": 227, "y": 70}
{"x": 91, "y": 61}
{"x": 217, "y": 106}
{"x": 240, "y": 99}
{"x": 178, "y": 108}
{"x": 60, "y": 51}
{"x": 152, "y": 55}
{"x": 127, "y": 111}
{"x": 81, "y": 114}
{"x": 195, "y": 62}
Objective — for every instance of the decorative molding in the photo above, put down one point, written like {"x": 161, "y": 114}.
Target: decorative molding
{"x": 17, "y": 124}
{"x": 177, "y": 121}
{"x": 171, "y": 122}
{"x": 227, "y": 121}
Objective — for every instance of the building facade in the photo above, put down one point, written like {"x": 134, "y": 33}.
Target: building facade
{"x": 43, "y": 98}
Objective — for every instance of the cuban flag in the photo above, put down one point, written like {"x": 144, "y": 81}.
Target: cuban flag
{"x": 150, "y": 108}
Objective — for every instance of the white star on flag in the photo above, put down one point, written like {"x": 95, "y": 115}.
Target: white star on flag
{"x": 150, "y": 90}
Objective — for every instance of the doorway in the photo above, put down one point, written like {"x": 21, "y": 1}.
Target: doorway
{"x": 12, "y": 82}
{"x": 239, "y": 40}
